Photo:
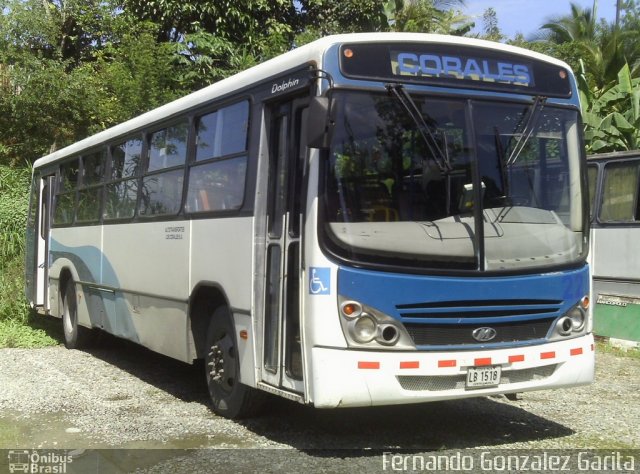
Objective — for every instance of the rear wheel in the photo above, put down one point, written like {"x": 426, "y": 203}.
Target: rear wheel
{"x": 230, "y": 398}
{"x": 75, "y": 336}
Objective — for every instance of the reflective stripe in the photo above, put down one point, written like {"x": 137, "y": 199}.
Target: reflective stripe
{"x": 410, "y": 365}
{"x": 483, "y": 361}
{"x": 368, "y": 365}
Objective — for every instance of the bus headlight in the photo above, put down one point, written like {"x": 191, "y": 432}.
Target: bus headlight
{"x": 573, "y": 323}
{"x": 364, "y": 329}
{"x": 364, "y": 326}
{"x": 577, "y": 317}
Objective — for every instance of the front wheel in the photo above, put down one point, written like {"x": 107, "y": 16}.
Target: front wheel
{"x": 230, "y": 398}
{"x": 75, "y": 336}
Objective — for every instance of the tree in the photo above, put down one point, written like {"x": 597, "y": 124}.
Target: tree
{"x": 66, "y": 30}
{"x": 605, "y": 48}
{"x": 325, "y": 17}
{"x": 612, "y": 116}
{"x": 254, "y": 24}
{"x": 490, "y": 25}
{"x": 428, "y": 16}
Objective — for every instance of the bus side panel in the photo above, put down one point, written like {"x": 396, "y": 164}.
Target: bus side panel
{"x": 77, "y": 250}
{"x": 616, "y": 282}
{"x": 146, "y": 264}
{"x": 221, "y": 254}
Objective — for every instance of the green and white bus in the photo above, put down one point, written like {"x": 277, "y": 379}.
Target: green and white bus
{"x": 368, "y": 219}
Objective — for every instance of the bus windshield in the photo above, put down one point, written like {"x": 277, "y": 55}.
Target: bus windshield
{"x": 388, "y": 199}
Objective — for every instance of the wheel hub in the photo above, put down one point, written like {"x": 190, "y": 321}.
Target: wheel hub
{"x": 221, "y": 363}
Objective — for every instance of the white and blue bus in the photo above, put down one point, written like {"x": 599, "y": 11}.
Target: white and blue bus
{"x": 368, "y": 219}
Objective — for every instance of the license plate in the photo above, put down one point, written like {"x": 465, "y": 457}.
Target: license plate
{"x": 479, "y": 377}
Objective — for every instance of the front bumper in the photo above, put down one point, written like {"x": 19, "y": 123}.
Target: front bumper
{"x": 350, "y": 378}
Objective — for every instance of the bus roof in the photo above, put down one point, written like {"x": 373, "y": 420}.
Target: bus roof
{"x": 307, "y": 54}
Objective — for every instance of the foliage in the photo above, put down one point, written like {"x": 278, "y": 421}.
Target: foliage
{"x": 490, "y": 25}
{"x": 254, "y": 24}
{"x": 428, "y": 16}
{"x": 31, "y": 335}
{"x": 51, "y": 109}
{"x": 204, "y": 58}
{"x": 130, "y": 77}
{"x": 612, "y": 116}
{"x": 14, "y": 185}
{"x": 326, "y": 17}
{"x": 13, "y": 305}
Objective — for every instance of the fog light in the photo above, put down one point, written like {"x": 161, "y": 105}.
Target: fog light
{"x": 564, "y": 326}
{"x": 364, "y": 329}
{"x": 577, "y": 319}
{"x": 388, "y": 335}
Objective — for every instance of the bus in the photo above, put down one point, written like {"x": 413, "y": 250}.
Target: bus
{"x": 368, "y": 219}
{"x": 614, "y": 190}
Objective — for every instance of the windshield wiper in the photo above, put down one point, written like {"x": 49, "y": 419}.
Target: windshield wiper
{"x": 504, "y": 171}
{"x": 530, "y": 122}
{"x": 440, "y": 157}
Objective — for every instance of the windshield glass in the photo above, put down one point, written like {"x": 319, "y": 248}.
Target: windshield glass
{"x": 393, "y": 196}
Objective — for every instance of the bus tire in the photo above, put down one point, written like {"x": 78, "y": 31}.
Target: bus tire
{"x": 75, "y": 336}
{"x": 229, "y": 397}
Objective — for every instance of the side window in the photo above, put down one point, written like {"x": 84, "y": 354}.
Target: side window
{"x": 162, "y": 190}
{"x": 217, "y": 178}
{"x": 592, "y": 178}
{"x": 168, "y": 147}
{"x": 66, "y": 193}
{"x": 122, "y": 190}
{"x": 620, "y": 193}
{"x": 90, "y": 188}
{"x": 161, "y": 193}
{"x": 223, "y": 132}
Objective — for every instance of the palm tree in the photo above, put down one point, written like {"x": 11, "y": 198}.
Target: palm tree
{"x": 428, "y": 16}
{"x": 605, "y": 47}
{"x": 579, "y": 26}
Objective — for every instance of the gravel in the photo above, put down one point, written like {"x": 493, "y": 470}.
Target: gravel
{"x": 122, "y": 396}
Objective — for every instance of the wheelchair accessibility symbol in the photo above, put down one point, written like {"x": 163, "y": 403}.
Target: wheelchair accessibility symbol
{"x": 320, "y": 281}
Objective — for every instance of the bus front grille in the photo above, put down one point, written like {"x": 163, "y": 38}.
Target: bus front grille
{"x": 461, "y": 334}
{"x": 451, "y": 323}
{"x": 417, "y": 383}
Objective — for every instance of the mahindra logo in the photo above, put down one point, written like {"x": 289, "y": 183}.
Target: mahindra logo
{"x": 483, "y": 334}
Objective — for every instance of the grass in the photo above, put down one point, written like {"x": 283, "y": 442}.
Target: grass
{"x": 632, "y": 353}
{"x": 37, "y": 331}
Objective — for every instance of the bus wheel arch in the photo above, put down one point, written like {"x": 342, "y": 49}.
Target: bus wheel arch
{"x": 215, "y": 341}
{"x": 204, "y": 300}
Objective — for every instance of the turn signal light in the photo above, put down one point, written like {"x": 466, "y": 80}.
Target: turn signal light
{"x": 351, "y": 309}
{"x": 584, "y": 302}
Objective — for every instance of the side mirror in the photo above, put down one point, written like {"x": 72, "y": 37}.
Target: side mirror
{"x": 319, "y": 123}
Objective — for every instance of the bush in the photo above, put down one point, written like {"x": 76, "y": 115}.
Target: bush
{"x": 14, "y": 200}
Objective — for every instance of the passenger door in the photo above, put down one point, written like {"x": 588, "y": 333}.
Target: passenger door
{"x": 282, "y": 336}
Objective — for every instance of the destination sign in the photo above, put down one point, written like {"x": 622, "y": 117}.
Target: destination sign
{"x": 460, "y": 67}
{"x": 450, "y": 65}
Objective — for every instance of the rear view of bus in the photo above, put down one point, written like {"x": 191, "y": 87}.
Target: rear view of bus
{"x": 451, "y": 226}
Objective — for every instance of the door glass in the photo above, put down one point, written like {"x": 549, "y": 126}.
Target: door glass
{"x": 272, "y": 305}
{"x": 277, "y": 178}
